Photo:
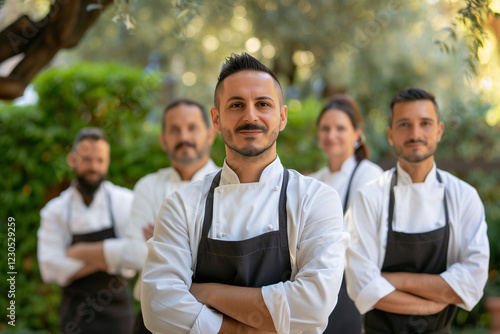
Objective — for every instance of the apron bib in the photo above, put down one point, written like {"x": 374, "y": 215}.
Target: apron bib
{"x": 416, "y": 253}
{"x": 100, "y": 302}
{"x": 255, "y": 262}
{"x": 345, "y": 317}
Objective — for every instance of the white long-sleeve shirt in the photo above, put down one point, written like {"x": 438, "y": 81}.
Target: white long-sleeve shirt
{"x": 316, "y": 241}
{"x": 149, "y": 193}
{"x": 418, "y": 208}
{"x": 55, "y": 236}
{"x": 366, "y": 172}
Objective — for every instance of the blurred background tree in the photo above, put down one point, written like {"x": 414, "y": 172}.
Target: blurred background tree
{"x": 368, "y": 49}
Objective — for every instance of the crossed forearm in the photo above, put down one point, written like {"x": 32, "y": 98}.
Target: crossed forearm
{"x": 92, "y": 253}
{"x": 241, "y": 306}
{"x": 417, "y": 294}
{"x": 405, "y": 303}
{"x": 427, "y": 286}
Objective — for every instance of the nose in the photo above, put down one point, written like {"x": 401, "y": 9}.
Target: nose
{"x": 183, "y": 135}
{"x": 415, "y": 132}
{"x": 95, "y": 164}
{"x": 250, "y": 115}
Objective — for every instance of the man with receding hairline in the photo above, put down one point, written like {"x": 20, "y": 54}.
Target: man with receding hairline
{"x": 419, "y": 245}
{"x": 253, "y": 248}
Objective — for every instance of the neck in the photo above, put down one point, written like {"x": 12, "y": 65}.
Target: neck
{"x": 187, "y": 172}
{"x": 249, "y": 169}
{"x": 87, "y": 197}
{"x": 418, "y": 171}
{"x": 335, "y": 162}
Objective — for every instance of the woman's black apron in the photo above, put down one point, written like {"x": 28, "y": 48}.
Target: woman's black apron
{"x": 100, "y": 302}
{"x": 345, "y": 317}
{"x": 415, "y": 253}
{"x": 255, "y": 262}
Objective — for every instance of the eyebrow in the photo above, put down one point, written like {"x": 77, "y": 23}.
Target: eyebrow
{"x": 420, "y": 119}
{"x": 239, "y": 98}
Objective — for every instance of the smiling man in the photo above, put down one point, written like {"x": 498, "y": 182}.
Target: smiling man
{"x": 255, "y": 247}
{"x": 419, "y": 246}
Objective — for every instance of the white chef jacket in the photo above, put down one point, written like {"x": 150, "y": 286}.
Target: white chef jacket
{"x": 55, "y": 236}
{"x": 316, "y": 240}
{"x": 149, "y": 193}
{"x": 366, "y": 172}
{"x": 418, "y": 208}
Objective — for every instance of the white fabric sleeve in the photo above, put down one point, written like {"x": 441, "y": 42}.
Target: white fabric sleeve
{"x": 305, "y": 302}
{"x": 53, "y": 239}
{"x": 365, "y": 284}
{"x": 468, "y": 276}
{"x": 129, "y": 252}
{"x": 168, "y": 306}
{"x": 208, "y": 321}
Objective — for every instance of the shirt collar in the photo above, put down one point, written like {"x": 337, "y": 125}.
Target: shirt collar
{"x": 404, "y": 178}
{"x": 271, "y": 171}
{"x": 200, "y": 173}
{"x": 209, "y": 167}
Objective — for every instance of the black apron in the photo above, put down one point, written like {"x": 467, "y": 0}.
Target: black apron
{"x": 345, "y": 317}
{"x": 255, "y": 262}
{"x": 416, "y": 253}
{"x": 100, "y": 302}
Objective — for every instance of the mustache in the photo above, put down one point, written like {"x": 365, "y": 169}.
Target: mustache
{"x": 182, "y": 143}
{"x": 413, "y": 141}
{"x": 251, "y": 127}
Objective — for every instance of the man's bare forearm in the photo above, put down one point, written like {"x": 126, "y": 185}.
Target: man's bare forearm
{"x": 242, "y": 304}
{"x": 427, "y": 286}
{"x": 230, "y": 326}
{"x": 405, "y": 303}
{"x": 89, "y": 252}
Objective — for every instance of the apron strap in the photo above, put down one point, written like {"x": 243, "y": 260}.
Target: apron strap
{"x": 209, "y": 207}
{"x": 282, "y": 209}
{"x": 349, "y": 186}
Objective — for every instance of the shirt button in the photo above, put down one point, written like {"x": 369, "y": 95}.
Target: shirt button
{"x": 269, "y": 227}
{"x": 219, "y": 235}
{"x": 276, "y": 188}
{"x": 221, "y": 191}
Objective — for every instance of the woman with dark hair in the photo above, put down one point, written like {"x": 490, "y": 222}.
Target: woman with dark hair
{"x": 341, "y": 139}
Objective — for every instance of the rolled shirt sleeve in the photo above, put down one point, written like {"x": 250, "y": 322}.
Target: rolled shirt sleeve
{"x": 468, "y": 272}
{"x": 304, "y": 303}
{"x": 365, "y": 284}
{"x": 167, "y": 304}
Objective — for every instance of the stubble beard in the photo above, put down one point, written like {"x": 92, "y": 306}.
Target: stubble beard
{"x": 249, "y": 151}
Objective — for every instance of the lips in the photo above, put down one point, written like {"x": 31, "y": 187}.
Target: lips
{"x": 415, "y": 143}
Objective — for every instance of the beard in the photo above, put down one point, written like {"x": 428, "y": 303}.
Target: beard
{"x": 416, "y": 157}
{"x": 187, "y": 159}
{"x": 87, "y": 186}
{"x": 250, "y": 150}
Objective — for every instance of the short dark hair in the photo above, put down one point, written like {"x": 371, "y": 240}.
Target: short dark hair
{"x": 91, "y": 133}
{"x": 187, "y": 102}
{"x": 412, "y": 94}
{"x": 244, "y": 62}
{"x": 347, "y": 105}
